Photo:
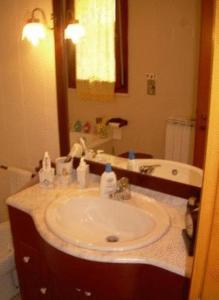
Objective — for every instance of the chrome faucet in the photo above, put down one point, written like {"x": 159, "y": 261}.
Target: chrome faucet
{"x": 123, "y": 191}
{"x": 147, "y": 169}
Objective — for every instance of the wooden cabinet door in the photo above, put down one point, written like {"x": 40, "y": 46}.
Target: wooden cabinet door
{"x": 31, "y": 267}
{"x": 32, "y": 273}
{"x": 68, "y": 290}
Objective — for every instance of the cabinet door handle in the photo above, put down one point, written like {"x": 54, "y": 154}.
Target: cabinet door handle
{"x": 43, "y": 290}
{"x": 26, "y": 259}
{"x": 88, "y": 294}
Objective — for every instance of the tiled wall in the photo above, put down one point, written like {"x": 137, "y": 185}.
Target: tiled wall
{"x": 28, "y": 112}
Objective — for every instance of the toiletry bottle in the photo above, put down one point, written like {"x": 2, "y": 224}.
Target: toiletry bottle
{"x": 46, "y": 173}
{"x": 131, "y": 164}
{"x": 87, "y": 127}
{"x": 108, "y": 182}
{"x": 77, "y": 126}
{"x": 64, "y": 170}
{"x": 98, "y": 125}
{"x": 83, "y": 174}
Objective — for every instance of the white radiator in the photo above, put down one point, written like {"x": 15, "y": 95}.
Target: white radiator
{"x": 179, "y": 142}
{"x": 12, "y": 180}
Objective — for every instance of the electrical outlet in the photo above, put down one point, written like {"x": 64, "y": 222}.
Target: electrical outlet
{"x": 151, "y": 83}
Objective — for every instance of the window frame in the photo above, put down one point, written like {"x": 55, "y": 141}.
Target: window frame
{"x": 121, "y": 48}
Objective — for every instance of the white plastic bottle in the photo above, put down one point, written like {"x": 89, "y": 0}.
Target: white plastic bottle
{"x": 131, "y": 164}
{"x": 108, "y": 182}
{"x": 46, "y": 173}
{"x": 83, "y": 174}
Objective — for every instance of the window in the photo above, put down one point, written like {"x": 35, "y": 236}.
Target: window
{"x": 121, "y": 48}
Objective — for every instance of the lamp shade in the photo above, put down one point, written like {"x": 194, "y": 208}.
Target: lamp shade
{"x": 74, "y": 31}
{"x": 33, "y": 32}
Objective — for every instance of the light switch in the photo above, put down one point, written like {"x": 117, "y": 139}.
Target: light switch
{"x": 151, "y": 83}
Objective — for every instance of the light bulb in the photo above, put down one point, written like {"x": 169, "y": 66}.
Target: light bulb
{"x": 74, "y": 32}
{"x": 33, "y": 32}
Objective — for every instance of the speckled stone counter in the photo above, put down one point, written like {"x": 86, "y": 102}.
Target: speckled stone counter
{"x": 168, "y": 253}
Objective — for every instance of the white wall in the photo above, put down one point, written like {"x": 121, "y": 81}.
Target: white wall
{"x": 163, "y": 38}
{"x": 28, "y": 112}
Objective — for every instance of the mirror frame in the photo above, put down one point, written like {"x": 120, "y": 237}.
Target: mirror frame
{"x": 204, "y": 78}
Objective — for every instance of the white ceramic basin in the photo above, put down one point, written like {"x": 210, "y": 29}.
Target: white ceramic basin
{"x": 88, "y": 221}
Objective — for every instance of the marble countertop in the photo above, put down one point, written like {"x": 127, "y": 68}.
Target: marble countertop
{"x": 168, "y": 253}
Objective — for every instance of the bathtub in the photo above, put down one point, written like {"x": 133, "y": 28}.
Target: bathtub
{"x": 173, "y": 170}
{"x": 167, "y": 169}
{"x": 8, "y": 278}
{"x": 12, "y": 180}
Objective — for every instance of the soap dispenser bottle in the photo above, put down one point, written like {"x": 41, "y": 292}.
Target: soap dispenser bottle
{"x": 131, "y": 164}
{"x": 83, "y": 173}
{"x": 46, "y": 173}
{"x": 108, "y": 182}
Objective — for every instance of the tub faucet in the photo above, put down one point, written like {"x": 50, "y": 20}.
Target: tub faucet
{"x": 147, "y": 169}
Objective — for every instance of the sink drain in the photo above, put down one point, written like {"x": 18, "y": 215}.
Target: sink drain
{"x": 112, "y": 239}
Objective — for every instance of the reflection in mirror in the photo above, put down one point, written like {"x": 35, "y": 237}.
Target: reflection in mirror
{"x": 163, "y": 47}
{"x": 166, "y": 169}
{"x": 163, "y": 50}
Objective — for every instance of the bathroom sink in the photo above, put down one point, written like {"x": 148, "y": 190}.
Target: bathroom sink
{"x": 87, "y": 221}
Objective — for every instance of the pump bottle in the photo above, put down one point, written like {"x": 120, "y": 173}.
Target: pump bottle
{"x": 131, "y": 164}
{"x": 83, "y": 173}
{"x": 46, "y": 173}
{"x": 108, "y": 182}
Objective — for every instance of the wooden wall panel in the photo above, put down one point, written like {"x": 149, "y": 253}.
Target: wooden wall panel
{"x": 205, "y": 279}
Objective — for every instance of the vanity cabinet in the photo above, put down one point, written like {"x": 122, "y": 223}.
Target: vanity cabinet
{"x": 31, "y": 266}
{"x": 47, "y": 273}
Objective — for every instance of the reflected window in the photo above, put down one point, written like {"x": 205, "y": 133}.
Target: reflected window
{"x": 94, "y": 48}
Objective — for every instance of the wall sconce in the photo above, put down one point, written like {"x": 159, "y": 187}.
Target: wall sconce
{"x": 74, "y": 31}
{"x": 35, "y": 30}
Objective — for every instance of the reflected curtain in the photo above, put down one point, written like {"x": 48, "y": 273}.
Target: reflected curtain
{"x": 95, "y": 53}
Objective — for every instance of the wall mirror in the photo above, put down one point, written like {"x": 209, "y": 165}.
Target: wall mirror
{"x": 170, "y": 41}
